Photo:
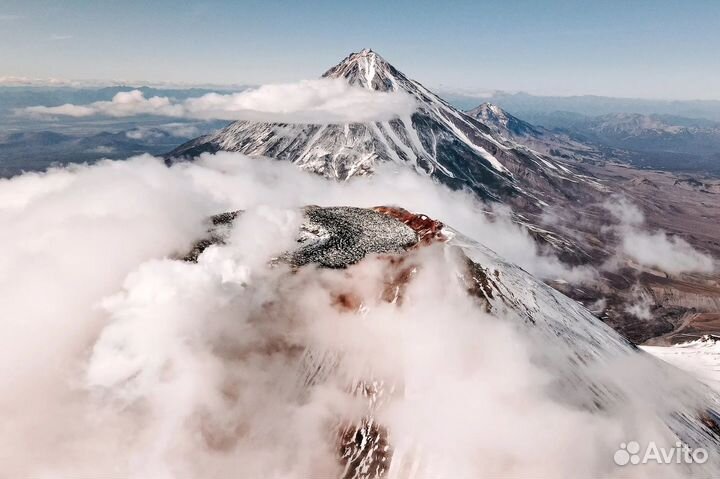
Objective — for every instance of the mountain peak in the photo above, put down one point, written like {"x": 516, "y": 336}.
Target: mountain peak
{"x": 503, "y": 122}
{"x": 367, "y": 69}
{"x": 492, "y": 115}
{"x": 488, "y": 110}
{"x": 435, "y": 140}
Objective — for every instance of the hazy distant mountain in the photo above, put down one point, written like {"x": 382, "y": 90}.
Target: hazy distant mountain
{"x": 532, "y": 108}
{"x": 651, "y": 132}
{"x": 650, "y": 141}
{"x": 12, "y": 97}
{"x": 36, "y": 150}
{"x": 657, "y": 141}
{"x": 554, "y": 143}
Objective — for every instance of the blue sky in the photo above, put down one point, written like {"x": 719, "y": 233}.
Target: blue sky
{"x": 658, "y": 49}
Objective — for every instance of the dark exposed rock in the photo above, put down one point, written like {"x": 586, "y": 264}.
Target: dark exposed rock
{"x": 337, "y": 237}
{"x": 216, "y": 234}
{"x": 200, "y": 246}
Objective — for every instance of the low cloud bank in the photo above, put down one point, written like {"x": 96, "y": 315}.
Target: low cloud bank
{"x": 655, "y": 249}
{"x": 642, "y": 304}
{"x": 310, "y": 101}
{"x": 178, "y": 130}
{"x": 118, "y": 359}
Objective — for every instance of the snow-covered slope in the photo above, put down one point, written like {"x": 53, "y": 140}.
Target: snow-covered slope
{"x": 701, "y": 358}
{"x": 503, "y": 122}
{"x": 436, "y": 140}
{"x": 536, "y": 368}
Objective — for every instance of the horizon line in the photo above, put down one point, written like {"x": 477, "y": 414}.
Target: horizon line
{"x": 11, "y": 81}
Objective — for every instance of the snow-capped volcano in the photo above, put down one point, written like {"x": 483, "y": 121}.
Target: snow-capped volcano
{"x": 437, "y": 140}
{"x": 369, "y": 70}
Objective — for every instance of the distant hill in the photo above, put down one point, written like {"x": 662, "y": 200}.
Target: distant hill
{"x": 532, "y": 108}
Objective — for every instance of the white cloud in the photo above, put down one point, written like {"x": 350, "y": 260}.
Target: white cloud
{"x": 10, "y": 80}
{"x": 123, "y": 104}
{"x": 670, "y": 254}
{"x": 655, "y": 249}
{"x": 598, "y": 307}
{"x": 56, "y": 37}
{"x": 641, "y": 310}
{"x": 103, "y": 149}
{"x": 178, "y": 130}
{"x": 143, "y": 134}
{"x": 117, "y": 359}
{"x": 310, "y": 101}
{"x": 626, "y": 212}
{"x": 642, "y": 304}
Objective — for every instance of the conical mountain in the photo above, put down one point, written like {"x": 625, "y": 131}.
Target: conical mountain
{"x": 437, "y": 140}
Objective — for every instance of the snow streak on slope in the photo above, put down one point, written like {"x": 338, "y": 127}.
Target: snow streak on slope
{"x": 436, "y": 140}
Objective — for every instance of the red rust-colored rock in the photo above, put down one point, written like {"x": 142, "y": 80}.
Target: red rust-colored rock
{"x": 427, "y": 229}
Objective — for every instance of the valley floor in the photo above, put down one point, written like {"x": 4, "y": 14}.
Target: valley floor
{"x": 679, "y": 306}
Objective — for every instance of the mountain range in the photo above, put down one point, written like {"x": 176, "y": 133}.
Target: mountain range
{"x": 533, "y": 108}
{"x": 663, "y": 142}
{"x": 35, "y": 150}
{"x": 651, "y": 141}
